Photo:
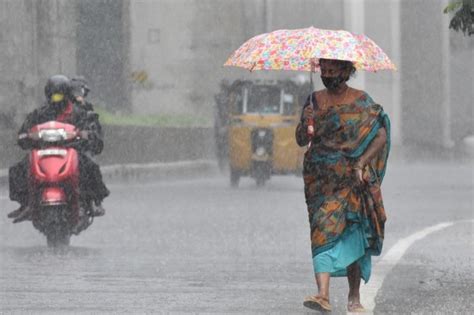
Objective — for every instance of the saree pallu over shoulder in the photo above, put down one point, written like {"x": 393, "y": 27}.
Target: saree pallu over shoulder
{"x": 335, "y": 199}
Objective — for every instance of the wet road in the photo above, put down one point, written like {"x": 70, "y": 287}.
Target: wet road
{"x": 198, "y": 246}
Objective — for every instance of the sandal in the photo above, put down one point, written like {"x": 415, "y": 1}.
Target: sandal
{"x": 317, "y": 303}
{"x": 355, "y": 307}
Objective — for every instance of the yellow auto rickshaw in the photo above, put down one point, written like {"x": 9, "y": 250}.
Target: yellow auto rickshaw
{"x": 261, "y": 118}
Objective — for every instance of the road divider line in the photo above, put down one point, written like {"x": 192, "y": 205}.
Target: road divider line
{"x": 391, "y": 259}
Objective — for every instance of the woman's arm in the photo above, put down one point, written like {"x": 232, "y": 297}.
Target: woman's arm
{"x": 375, "y": 146}
{"x": 301, "y": 133}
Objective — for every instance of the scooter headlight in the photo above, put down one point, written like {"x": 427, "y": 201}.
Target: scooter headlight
{"x": 52, "y": 135}
{"x": 262, "y": 133}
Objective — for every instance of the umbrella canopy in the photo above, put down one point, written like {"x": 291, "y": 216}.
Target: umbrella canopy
{"x": 300, "y": 50}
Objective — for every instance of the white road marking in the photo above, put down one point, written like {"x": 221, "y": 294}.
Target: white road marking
{"x": 369, "y": 291}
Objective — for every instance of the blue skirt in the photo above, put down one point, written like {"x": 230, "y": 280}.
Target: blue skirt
{"x": 350, "y": 248}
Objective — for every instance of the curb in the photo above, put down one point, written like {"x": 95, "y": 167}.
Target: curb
{"x": 149, "y": 171}
{"x": 3, "y": 176}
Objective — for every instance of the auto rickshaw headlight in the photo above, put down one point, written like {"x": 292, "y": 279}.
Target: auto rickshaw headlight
{"x": 260, "y": 151}
{"x": 262, "y": 133}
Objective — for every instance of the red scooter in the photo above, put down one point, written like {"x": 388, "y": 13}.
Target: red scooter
{"x": 58, "y": 209}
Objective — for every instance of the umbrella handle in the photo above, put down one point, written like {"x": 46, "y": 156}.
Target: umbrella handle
{"x": 310, "y": 130}
{"x": 310, "y": 120}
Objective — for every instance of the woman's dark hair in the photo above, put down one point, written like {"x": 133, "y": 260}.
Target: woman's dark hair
{"x": 343, "y": 64}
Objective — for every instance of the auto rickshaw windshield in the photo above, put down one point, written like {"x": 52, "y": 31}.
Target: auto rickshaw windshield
{"x": 266, "y": 100}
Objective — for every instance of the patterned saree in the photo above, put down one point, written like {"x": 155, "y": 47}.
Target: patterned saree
{"x": 346, "y": 218}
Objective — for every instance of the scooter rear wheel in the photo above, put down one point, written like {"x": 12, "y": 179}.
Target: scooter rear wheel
{"x": 55, "y": 225}
{"x": 234, "y": 178}
{"x": 58, "y": 237}
{"x": 260, "y": 181}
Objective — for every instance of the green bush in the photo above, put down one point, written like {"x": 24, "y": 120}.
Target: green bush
{"x": 164, "y": 120}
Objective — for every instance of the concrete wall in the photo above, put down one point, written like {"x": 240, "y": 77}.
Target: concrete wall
{"x": 103, "y": 51}
{"x": 40, "y": 38}
{"x": 37, "y": 40}
{"x": 161, "y": 48}
{"x": 382, "y": 21}
{"x": 181, "y": 45}
{"x": 437, "y": 76}
{"x": 423, "y": 77}
{"x": 461, "y": 98}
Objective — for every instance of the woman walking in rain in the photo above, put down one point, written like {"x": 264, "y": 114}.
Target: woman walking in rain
{"x": 343, "y": 170}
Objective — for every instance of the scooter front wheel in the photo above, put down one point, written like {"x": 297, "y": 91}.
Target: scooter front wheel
{"x": 54, "y": 224}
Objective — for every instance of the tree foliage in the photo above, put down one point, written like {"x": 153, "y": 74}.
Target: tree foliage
{"x": 463, "y": 19}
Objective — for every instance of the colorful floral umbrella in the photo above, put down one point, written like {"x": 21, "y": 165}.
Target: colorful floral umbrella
{"x": 300, "y": 50}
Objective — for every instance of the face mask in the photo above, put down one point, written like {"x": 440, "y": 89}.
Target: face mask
{"x": 332, "y": 83}
{"x": 57, "y": 97}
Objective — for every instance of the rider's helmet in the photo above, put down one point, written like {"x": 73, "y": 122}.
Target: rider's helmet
{"x": 58, "y": 89}
{"x": 79, "y": 86}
